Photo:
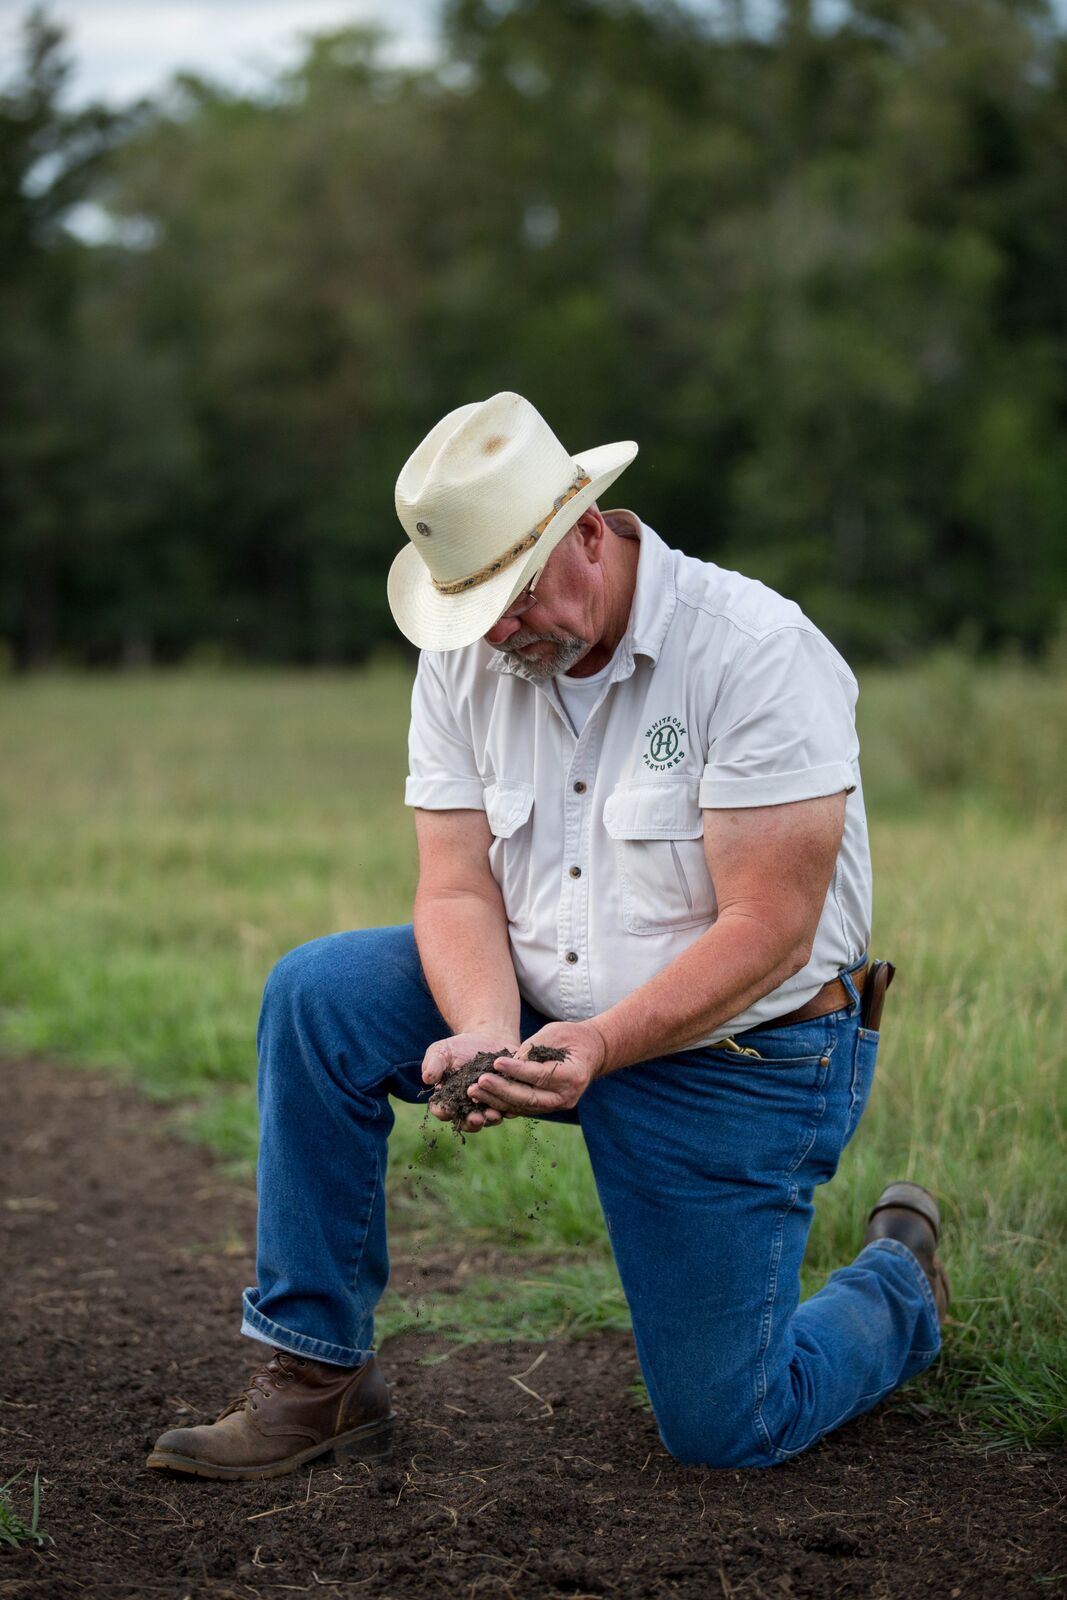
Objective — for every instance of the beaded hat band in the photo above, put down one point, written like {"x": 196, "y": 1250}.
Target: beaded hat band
{"x": 473, "y": 579}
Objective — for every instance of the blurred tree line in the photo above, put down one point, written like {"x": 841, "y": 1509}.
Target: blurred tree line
{"x": 815, "y": 267}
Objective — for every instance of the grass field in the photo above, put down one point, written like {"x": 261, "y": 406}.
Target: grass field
{"x": 165, "y": 838}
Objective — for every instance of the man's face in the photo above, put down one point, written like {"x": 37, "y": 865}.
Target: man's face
{"x": 556, "y": 631}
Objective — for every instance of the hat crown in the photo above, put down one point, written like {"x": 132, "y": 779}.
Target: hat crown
{"x": 482, "y": 479}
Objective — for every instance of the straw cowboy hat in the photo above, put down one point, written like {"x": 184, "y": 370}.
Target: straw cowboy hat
{"x": 484, "y": 500}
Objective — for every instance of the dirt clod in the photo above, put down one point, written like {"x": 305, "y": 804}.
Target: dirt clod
{"x": 451, "y": 1093}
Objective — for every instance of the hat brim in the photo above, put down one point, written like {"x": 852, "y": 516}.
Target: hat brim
{"x": 435, "y": 621}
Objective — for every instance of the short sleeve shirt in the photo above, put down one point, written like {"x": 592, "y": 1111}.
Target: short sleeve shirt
{"x": 722, "y": 694}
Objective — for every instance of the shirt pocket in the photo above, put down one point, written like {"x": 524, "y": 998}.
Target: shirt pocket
{"x": 508, "y": 806}
{"x": 657, "y": 832}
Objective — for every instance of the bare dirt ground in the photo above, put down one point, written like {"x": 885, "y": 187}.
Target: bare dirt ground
{"x": 125, "y": 1251}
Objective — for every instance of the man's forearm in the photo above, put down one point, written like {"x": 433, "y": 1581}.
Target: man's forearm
{"x": 735, "y": 963}
{"x": 466, "y": 955}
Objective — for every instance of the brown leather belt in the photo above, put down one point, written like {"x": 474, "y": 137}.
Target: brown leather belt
{"x": 833, "y": 996}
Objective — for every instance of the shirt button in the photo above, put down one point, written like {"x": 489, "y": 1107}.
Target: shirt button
{"x": 576, "y": 872}
{"x": 579, "y": 787}
{"x": 572, "y": 956}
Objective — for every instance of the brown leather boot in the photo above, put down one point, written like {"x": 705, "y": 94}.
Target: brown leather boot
{"x": 292, "y": 1411}
{"x": 909, "y": 1213}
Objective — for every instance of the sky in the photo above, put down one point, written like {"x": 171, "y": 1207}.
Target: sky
{"x": 126, "y": 48}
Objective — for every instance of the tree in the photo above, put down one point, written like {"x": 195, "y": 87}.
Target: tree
{"x": 815, "y": 269}
{"x": 85, "y": 453}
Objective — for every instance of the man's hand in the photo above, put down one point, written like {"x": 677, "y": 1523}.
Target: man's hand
{"x": 447, "y": 1054}
{"x": 534, "y": 1088}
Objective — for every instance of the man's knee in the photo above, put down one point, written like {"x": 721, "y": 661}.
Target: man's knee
{"x": 320, "y": 994}
{"x": 323, "y": 1009}
{"x": 715, "y": 1431}
{"x": 301, "y": 975}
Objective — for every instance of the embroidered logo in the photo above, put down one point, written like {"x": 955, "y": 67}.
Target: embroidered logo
{"x": 664, "y": 749}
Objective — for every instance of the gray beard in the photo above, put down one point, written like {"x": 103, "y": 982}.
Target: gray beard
{"x": 536, "y": 669}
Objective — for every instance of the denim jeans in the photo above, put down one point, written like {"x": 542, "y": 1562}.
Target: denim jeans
{"x": 706, "y": 1162}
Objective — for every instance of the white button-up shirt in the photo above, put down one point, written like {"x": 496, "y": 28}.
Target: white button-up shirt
{"x": 721, "y": 694}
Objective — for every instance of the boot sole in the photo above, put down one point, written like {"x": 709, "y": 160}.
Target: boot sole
{"x": 372, "y": 1442}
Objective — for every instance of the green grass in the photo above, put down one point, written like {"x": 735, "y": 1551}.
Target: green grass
{"x": 166, "y": 838}
{"x": 567, "y": 1297}
{"x": 14, "y": 1529}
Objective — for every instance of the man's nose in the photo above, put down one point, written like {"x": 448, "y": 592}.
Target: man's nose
{"x": 502, "y": 629}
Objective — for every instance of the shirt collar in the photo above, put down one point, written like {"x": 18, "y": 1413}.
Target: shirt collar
{"x": 655, "y": 597}
{"x": 651, "y": 609}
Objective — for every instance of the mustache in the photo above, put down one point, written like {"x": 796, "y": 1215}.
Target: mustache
{"x": 525, "y": 636}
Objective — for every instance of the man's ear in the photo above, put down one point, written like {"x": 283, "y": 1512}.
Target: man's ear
{"x": 592, "y": 530}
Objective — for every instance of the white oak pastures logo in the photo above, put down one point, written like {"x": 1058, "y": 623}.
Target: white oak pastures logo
{"x": 664, "y": 744}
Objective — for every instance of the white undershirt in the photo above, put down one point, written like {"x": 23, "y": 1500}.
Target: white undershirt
{"x": 580, "y": 695}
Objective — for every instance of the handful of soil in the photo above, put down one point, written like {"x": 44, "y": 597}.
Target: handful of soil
{"x": 451, "y": 1092}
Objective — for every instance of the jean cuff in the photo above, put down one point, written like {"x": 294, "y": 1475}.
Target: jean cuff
{"x": 256, "y": 1326}
{"x": 896, "y": 1248}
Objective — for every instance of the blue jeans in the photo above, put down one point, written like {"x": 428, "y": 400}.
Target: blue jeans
{"x": 705, "y": 1161}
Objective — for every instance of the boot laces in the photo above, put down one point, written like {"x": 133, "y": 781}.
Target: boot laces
{"x": 274, "y": 1374}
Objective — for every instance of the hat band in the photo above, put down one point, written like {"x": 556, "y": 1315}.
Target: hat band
{"x": 460, "y": 585}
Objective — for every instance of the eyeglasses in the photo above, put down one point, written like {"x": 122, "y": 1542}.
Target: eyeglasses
{"x": 523, "y": 600}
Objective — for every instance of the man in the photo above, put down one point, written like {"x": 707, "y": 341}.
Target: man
{"x": 641, "y": 840}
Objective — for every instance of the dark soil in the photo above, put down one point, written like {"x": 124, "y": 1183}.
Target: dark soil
{"x": 451, "y": 1095}
{"x": 521, "y": 1471}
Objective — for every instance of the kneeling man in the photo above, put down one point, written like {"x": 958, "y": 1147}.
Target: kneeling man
{"x": 642, "y": 842}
